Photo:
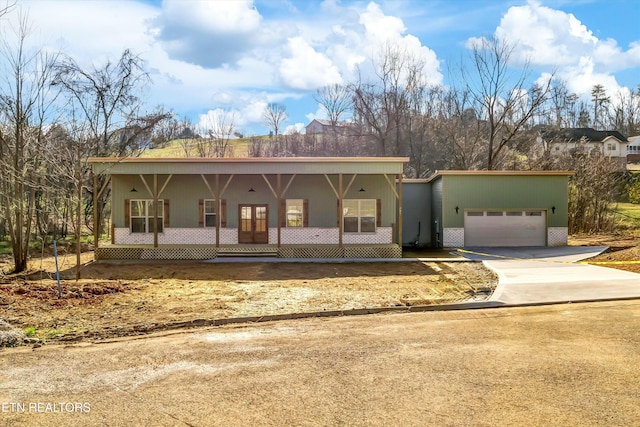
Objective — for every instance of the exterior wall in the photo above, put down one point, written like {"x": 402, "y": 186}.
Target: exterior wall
{"x": 176, "y": 236}
{"x": 311, "y": 235}
{"x": 314, "y": 128}
{"x": 382, "y": 235}
{"x": 416, "y": 210}
{"x": 557, "y": 236}
{"x": 558, "y": 148}
{"x": 508, "y": 192}
{"x": 437, "y": 226}
{"x": 619, "y": 148}
{"x": 184, "y": 191}
{"x": 453, "y": 237}
{"x": 229, "y": 236}
{"x": 618, "y": 153}
{"x": 633, "y": 150}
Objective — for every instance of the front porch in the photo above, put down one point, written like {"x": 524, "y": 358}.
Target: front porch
{"x": 204, "y": 252}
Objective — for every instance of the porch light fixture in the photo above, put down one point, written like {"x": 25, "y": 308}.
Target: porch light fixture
{"x": 457, "y": 209}
{"x": 133, "y": 190}
{"x": 361, "y": 190}
{"x": 251, "y": 190}
{"x": 553, "y": 209}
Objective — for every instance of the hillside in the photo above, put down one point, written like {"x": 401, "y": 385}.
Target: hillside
{"x": 178, "y": 147}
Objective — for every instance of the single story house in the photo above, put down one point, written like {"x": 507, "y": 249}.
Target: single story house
{"x": 288, "y": 207}
{"x": 351, "y": 207}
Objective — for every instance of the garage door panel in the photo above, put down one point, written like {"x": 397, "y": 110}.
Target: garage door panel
{"x": 489, "y": 229}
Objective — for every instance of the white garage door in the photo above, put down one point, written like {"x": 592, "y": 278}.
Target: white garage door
{"x": 501, "y": 228}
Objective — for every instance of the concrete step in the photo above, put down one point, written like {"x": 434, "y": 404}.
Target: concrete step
{"x": 262, "y": 254}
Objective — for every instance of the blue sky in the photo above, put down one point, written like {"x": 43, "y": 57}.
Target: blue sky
{"x": 223, "y": 57}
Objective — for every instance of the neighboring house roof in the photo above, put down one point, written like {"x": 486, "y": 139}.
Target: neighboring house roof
{"x": 582, "y": 134}
{"x": 322, "y": 122}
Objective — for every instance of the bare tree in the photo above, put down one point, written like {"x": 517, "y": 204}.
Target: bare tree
{"x": 382, "y": 108}
{"x": 459, "y": 131}
{"x": 592, "y": 190}
{"x": 500, "y": 95}
{"x": 219, "y": 129}
{"x": 274, "y": 116}
{"x": 105, "y": 101}
{"x": 600, "y": 105}
{"x": 106, "y": 97}
{"x": 26, "y": 98}
{"x": 624, "y": 114}
{"x": 335, "y": 100}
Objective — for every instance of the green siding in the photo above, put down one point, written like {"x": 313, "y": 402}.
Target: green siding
{"x": 416, "y": 210}
{"x": 508, "y": 192}
{"x": 184, "y": 192}
{"x": 436, "y": 212}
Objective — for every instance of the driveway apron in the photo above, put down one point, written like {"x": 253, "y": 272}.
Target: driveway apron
{"x": 545, "y": 275}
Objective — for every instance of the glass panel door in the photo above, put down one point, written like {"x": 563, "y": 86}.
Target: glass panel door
{"x": 253, "y": 224}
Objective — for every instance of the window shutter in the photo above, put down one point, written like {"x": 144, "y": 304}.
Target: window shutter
{"x": 283, "y": 213}
{"x": 305, "y": 213}
{"x": 165, "y": 213}
{"x": 378, "y": 212}
{"x": 201, "y": 213}
{"x": 127, "y": 213}
{"x": 223, "y": 213}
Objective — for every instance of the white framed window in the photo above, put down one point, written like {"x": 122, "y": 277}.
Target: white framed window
{"x": 294, "y": 212}
{"x": 611, "y": 146}
{"x": 359, "y": 215}
{"x": 209, "y": 213}
{"x": 141, "y": 214}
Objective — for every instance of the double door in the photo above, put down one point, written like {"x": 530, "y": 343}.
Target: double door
{"x": 253, "y": 224}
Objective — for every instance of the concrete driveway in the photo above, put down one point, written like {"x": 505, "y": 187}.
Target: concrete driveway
{"x": 543, "y": 275}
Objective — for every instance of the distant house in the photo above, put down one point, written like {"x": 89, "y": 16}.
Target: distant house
{"x": 633, "y": 149}
{"x": 324, "y": 127}
{"x": 611, "y": 143}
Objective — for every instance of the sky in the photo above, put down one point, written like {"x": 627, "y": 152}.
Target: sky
{"x": 216, "y": 58}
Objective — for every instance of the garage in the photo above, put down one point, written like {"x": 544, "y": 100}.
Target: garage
{"x": 505, "y": 228}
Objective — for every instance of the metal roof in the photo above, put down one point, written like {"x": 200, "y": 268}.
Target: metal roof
{"x": 248, "y": 165}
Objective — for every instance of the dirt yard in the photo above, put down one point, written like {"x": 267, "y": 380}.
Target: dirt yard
{"x": 621, "y": 248}
{"x": 127, "y": 298}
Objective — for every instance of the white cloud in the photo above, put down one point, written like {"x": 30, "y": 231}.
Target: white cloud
{"x": 379, "y": 27}
{"x": 307, "y": 69}
{"x": 546, "y": 38}
{"x": 295, "y": 128}
{"x": 320, "y": 113}
{"x": 91, "y": 32}
{"x": 383, "y": 31}
{"x": 208, "y": 33}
